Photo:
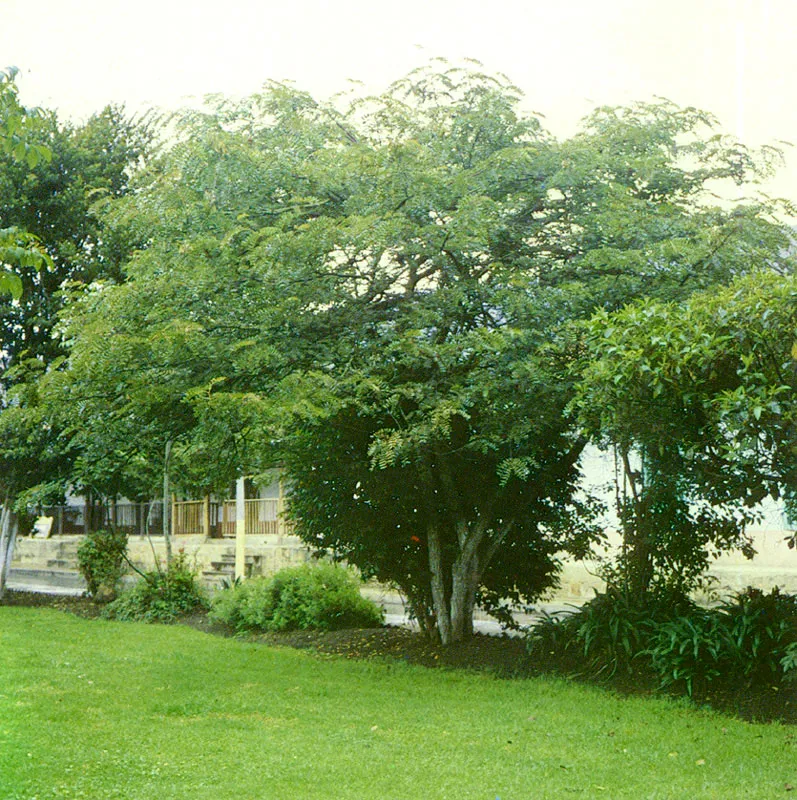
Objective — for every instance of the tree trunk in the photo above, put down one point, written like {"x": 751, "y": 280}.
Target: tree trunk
{"x": 465, "y": 577}
{"x": 639, "y": 559}
{"x": 8, "y": 536}
{"x": 167, "y": 500}
{"x": 454, "y": 593}
{"x": 441, "y": 608}
{"x": 454, "y": 602}
{"x": 4, "y": 530}
{"x": 475, "y": 577}
{"x": 637, "y": 552}
{"x": 460, "y": 605}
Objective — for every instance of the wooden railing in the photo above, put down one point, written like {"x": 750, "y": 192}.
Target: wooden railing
{"x": 261, "y": 516}
{"x": 189, "y": 517}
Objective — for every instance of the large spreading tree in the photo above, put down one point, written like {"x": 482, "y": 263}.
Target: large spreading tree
{"x": 380, "y": 297}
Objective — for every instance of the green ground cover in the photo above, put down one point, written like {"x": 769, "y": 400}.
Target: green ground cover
{"x": 96, "y": 709}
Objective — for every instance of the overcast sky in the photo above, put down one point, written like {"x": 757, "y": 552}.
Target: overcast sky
{"x": 735, "y": 58}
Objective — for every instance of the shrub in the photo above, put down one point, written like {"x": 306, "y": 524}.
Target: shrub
{"x": 101, "y": 561}
{"x": 763, "y": 628}
{"x": 319, "y": 596}
{"x": 750, "y": 641}
{"x": 161, "y": 596}
{"x": 789, "y": 663}
{"x": 692, "y": 651}
{"x": 607, "y": 636}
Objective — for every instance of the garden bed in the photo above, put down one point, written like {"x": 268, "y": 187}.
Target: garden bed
{"x": 503, "y": 656}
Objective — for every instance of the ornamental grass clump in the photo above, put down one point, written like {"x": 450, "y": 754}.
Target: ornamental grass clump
{"x": 308, "y": 597}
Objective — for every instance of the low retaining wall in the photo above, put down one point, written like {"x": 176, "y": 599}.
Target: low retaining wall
{"x": 214, "y": 559}
{"x": 54, "y": 560}
{"x": 39, "y": 563}
{"x": 773, "y": 565}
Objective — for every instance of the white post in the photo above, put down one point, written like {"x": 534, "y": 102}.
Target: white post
{"x": 240, "y": 529}
{"x": 206, "y": 516}
{"x": 280, "y": 510}
{"x": 5, "y": 530}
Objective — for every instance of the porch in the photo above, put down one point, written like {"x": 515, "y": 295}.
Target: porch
{"x": 263, "y": 516}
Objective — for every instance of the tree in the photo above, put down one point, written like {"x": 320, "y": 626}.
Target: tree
{"x": 384, "y": 294}
{"x": 50, "y": 198}
{"x": 434, "y": 428}
{"x": 703, "y": 393}
{"x": 18, "y": 247}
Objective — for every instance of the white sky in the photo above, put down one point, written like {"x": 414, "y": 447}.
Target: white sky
{"x": 735, "y": 58}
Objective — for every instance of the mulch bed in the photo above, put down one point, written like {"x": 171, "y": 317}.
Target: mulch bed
{"x": 502, "y": 656}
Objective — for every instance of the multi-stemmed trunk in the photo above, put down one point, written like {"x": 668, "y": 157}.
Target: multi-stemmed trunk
{"x": 454, "y": 587}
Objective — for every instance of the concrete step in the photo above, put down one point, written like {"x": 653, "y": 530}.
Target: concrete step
{"x": 46, "y": 581}
{"x": 58, "y": 564}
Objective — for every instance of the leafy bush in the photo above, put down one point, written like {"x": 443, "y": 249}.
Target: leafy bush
{"x": 763, "y": 627}
{"x": 789, "y": 663}
{"x": 692, "y": 651}
{"x": 749, "y": 640}
{"x": 161, "y": 596}
{"x": 320, "y": 596}
{"x": 607, "y": 636}
{"x": 101, "y": 561}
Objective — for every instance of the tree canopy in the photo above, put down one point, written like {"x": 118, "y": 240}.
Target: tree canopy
{"x": 51, "y": 199}
{"x": 380, "y": 296}
{"x": 705, "y": 392}
{"x": 18, "y": 125}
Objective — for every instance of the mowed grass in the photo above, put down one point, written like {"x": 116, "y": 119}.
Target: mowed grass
{"x": 101, "y": 710}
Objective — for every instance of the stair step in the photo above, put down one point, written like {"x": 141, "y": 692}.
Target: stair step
{"x": 52, "y": 581}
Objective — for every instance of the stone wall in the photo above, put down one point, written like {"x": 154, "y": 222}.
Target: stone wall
{"x": 39, "y": 562}
{"x": 55, "y": 560}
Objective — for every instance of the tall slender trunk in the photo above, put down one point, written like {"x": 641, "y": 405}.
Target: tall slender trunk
{"x": 4, "y": 526}
{"x": 637, "y": 552}
{"x": 8, "y": 536}
{"x": 461, "y": 607}
{"x": 465, "y": 577}
{"x": 167, "y": 504}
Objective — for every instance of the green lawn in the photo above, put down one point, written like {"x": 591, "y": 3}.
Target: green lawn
{"x": 100, "y": 710}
